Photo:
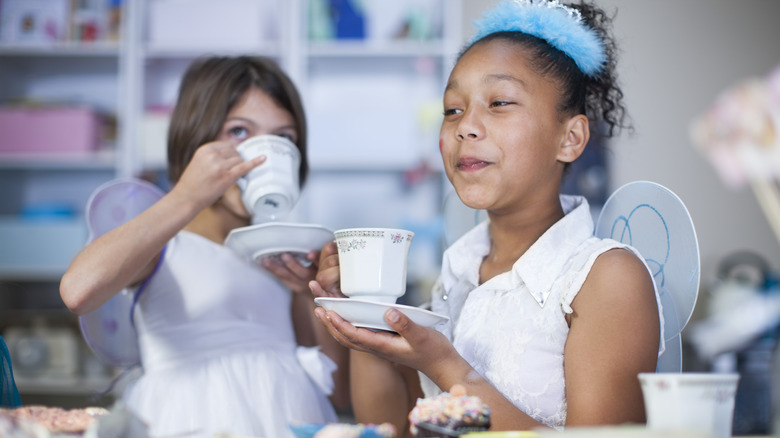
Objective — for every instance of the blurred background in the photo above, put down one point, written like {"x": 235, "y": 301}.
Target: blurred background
{"x": 86, "y": 87}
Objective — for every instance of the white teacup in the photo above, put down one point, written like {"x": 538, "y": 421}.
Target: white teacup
{"x": 271, "y": 189}
{"x": 697, "y": 402}
{"x": 372, "y": 262}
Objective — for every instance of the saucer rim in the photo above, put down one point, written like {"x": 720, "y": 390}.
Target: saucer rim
{"x": 278, "y": 250}
{"x": 233, "y": 239}
{"x": 400, "y": 307}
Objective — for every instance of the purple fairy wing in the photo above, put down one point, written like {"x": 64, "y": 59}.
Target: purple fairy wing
{"x": 109, "y": 330}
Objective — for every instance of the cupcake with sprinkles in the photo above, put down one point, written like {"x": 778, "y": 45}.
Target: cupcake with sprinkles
{"x": 450, "y": 414}
{"x": 342, "y": 430}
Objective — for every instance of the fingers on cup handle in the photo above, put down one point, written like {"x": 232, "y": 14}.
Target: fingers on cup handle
{"x": 258, "y": 160}
{"x": 329, "y": 252}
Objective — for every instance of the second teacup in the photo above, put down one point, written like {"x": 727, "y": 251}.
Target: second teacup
{"x": 270, "y": 190}
{"x": 696, "y": 402}
{"x": 372, "y": 262}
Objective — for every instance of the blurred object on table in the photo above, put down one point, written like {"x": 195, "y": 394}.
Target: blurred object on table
{"x": 623, "y": 431}
{"x": 694, "y": 402}
{"x": 39, "y": 421}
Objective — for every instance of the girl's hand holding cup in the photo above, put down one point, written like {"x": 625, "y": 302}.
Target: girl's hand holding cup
{"x": 328, "y": 279}
{"x": 214, "y": 168}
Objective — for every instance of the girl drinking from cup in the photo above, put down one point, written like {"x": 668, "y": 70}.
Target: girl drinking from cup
{"x": 549, "y": 325}
{"x": 218, "y": 337}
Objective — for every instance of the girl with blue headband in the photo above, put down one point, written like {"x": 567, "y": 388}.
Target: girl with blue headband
{"x": 548, "y": 325}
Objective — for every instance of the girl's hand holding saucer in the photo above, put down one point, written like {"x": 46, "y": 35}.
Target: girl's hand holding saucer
{"x": 414, "y": 345}
{"x": 294, "y": 271}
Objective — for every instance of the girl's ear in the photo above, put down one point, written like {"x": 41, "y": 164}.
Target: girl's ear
{"x": 576, "y": 136}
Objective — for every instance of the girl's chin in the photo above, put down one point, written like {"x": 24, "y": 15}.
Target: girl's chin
{"x": 478, "y": 198}
{"x": 238, "y": 210}
{"x": 475, "y": 202}
{"x": 244, "y": 214}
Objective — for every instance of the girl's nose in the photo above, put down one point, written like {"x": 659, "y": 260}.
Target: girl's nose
{"x": 470, "y": 126}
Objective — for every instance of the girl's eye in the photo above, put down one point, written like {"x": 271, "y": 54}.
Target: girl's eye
{"x": 238, "y": 132}
{"x": 451, "y": 111}
{"x": 499, "y": 103}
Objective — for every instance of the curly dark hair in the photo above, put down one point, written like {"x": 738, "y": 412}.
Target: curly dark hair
{"x": 599, "y": 97}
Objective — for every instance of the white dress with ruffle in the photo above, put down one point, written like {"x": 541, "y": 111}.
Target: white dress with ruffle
{"x": 218, "y": 350}
{"x": 512, "y": 328}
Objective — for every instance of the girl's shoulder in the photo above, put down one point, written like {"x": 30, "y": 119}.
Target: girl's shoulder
{"x": 603, "y": 269}
{"x": 621, "y": 261}
{"x": 619, "y": 276}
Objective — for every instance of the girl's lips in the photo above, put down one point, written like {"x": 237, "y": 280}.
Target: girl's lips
{"x": 469, "y": 163}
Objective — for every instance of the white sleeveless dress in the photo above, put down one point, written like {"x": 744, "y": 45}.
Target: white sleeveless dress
{"x": 218, "y": 350}
{"x": 512, "y": 328}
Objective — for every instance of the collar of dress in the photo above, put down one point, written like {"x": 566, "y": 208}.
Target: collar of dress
{"x": 538, "y": 268}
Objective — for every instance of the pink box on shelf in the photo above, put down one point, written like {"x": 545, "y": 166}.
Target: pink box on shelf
{"x": 48, "y": 129}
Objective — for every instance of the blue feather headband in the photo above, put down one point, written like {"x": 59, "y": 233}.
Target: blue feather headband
{"x": 560, "y": 26}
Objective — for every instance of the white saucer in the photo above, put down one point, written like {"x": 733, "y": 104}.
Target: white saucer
{"x": 262, "y": 240}
{"x": 371, "y": 314}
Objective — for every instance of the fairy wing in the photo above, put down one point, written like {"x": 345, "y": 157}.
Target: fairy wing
{"x": 109, "y": 330}
{"x": 652, "y": 219}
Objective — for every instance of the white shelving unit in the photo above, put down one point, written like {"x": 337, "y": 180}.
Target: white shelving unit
{"x": 373, "y": 108}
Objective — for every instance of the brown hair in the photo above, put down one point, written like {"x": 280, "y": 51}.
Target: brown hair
{"x": 210, "y": 88}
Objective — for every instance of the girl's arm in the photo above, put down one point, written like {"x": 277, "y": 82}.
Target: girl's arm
{"x": 427, "y": 350}
{"x": 614, "y": 335}
{"x": 308, "y": 331}
{"x": 296, "y": 275}
{"x": 392, "y": 361}
{"x": 383, "y": 392}
{"x": 122, "y": 257}
{"x": 127, "y": 254}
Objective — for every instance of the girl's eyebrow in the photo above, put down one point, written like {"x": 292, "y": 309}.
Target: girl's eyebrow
{"x": 451, "y": 85}
{"x": 239, "y": 119}
{"x": 251, "y": 122}
{"x": 285, "y": 127}
{"x": 491, "y": 78}
{"x": 497, "y": 77}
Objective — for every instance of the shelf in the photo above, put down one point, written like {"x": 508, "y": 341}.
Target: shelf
{"x": 39, "y": 248}
{"x": 65, "y": 49}
{"x": 157, "y": 50}
{"x": 100, "y": 160}
{"x": 32, "y": 273}
{"x": 360, "y": 48}
{"x": 61, "y": 385}
{"x": 363, "y": 167}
